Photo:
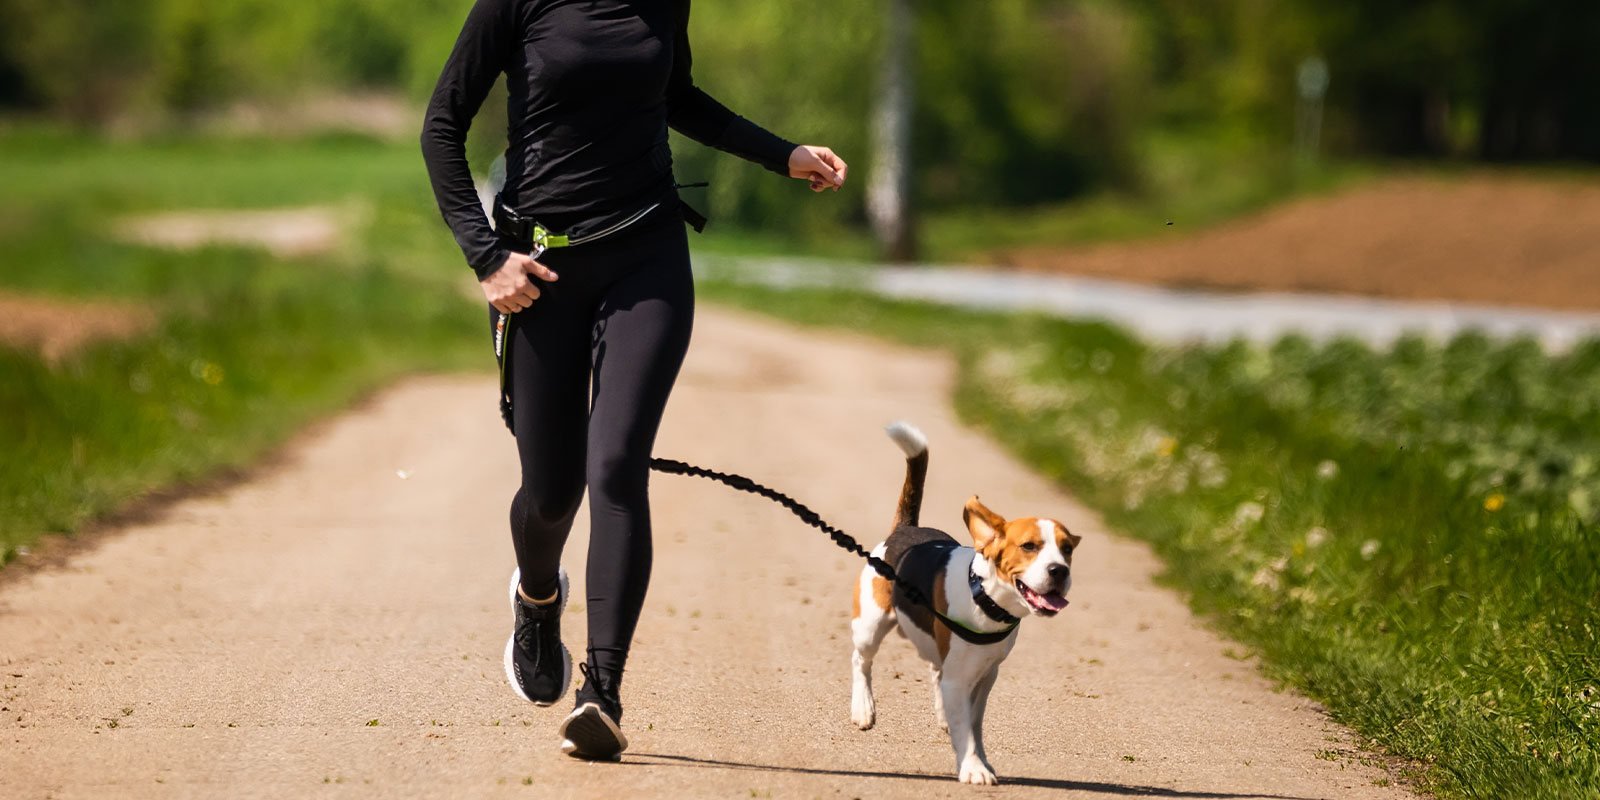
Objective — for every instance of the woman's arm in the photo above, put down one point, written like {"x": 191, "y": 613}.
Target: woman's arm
{"x": 476, "y": 62}
{"x": 699, "y": 116}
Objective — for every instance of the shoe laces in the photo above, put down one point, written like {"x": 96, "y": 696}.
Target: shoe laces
{"x": 601, "y": 685}
{"x": 532, "y": 630}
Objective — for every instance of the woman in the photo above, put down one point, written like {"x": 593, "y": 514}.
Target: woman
{"x": 599, "y": 323}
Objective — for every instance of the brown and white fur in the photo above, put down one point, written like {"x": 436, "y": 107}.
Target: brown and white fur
{"x": 1025, "y": 566}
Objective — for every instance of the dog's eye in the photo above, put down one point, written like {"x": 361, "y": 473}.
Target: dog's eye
{"x": 1030, "y": 547}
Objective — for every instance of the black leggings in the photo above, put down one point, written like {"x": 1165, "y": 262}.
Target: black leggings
{"x": 592, "y": 363}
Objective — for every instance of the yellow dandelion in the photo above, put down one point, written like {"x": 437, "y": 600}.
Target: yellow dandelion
{"x": 1494, "y": 502}
{"x": 211, "y": 374}
{"x": 1167, "y": 446}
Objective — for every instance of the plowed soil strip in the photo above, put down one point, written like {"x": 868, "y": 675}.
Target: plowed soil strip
{"x": 1500, "y": 239}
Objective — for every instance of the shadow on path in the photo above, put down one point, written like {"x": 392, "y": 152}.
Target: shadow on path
{"x": 663, "y": 760}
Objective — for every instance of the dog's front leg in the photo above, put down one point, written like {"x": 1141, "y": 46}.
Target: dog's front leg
{"x": 863, "y": 711}
{"x": 980, "y": 704}
{"x": 958, "y": 712}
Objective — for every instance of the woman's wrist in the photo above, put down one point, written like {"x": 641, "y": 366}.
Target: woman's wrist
{"x": 491, "y": 263}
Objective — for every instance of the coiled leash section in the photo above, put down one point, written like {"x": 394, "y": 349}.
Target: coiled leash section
{"x": 805, "y": 514}
{"x": 839, "y": 537}
{"x": 799, "y": 509}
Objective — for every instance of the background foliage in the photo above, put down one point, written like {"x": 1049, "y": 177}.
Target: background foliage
{"x": 1020, "y": 101}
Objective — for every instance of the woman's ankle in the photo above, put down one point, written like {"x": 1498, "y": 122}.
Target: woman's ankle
{"x": 539, "y": 599}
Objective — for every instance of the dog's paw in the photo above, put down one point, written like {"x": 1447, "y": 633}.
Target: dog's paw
{"x": 974, "y": 771}
{"x": 863, "y": 712}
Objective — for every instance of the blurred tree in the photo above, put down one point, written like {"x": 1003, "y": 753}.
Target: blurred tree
{"x": 1021, "y": 101}
{"x": 1225, "y": 67}
{"x": 889, "y": 191}
{"x": 364, "y": 43}
{"x": 1399, "y": 69}
{"x": 15, "y": 91}
{"x": 1540, "y": 88}
{"x": 1504, "y": 79}
{"x": 1033, "y": 100}
{"x": 81, "y": 57}
{"x": 189, "y": 74}
{"x": 772, "y": 63}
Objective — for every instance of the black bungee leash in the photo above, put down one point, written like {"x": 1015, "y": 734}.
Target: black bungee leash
{"x": 840, "y": 538}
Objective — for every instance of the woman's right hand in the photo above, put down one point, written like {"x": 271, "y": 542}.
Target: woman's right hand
{"x": 508, "y": 288}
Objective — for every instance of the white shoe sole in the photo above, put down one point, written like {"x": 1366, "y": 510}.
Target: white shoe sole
{"x": 591, "y": 734}
{"x": 566, "y": 657}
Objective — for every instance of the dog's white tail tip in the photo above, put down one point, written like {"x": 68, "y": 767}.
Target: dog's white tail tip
{"x": 911, "y": 440}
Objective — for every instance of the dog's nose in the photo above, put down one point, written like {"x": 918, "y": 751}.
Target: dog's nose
{"x": 1058, "y": 573}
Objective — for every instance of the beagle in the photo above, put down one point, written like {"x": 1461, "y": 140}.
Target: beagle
{"x": 978, "y": 595}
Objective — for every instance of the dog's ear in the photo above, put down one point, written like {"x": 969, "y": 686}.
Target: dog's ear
{"x": 986, "y": 526}
{"x": 1072, "y": 538}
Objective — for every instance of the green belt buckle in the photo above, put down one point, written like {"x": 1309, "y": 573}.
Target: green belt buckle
{"x": 546, "y": 239}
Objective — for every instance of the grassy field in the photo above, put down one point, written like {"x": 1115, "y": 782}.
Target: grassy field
{"x": 1409, "y": 536}
{"x": 248, "y": 348}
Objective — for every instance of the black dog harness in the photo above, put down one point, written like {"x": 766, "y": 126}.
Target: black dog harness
{"x": 919, "y": 565}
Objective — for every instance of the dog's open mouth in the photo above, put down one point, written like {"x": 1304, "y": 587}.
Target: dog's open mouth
{"x": 1046, "y": 604}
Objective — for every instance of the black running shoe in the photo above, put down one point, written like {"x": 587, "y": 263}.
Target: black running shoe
{"x": 537, "y": 663}
{"x": 593, "y": 731}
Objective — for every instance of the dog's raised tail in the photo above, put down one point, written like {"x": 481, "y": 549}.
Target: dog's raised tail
{"x": 915, "y": 446}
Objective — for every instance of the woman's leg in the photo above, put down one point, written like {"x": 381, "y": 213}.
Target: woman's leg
{"x": 641, "y": 335}
{"x": 550, "y": 406}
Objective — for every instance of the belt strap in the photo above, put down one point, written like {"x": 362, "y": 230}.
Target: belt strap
{"x": 509, "y": 223}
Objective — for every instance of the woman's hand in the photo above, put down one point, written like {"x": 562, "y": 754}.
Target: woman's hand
{"x": 509, "y": 289}
{"x": 818, "y": 165}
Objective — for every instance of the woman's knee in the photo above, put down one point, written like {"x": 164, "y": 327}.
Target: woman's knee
{"x": 546, "y": 510}
{"x": 619, "y": 476}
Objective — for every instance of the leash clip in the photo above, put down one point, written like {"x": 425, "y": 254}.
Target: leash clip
{"x": 544, "y": 240}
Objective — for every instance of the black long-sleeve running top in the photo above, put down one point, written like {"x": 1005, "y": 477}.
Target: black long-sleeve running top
{"x": 593, "y": 86}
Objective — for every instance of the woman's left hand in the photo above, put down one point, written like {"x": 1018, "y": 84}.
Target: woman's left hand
{"x": 818, "y": 165}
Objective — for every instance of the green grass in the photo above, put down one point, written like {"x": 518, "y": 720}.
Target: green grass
{"x": 247, "y": 348}
{"x": 1408, "y": 536}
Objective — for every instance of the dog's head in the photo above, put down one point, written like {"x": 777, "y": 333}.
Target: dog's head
{"x": 1032, "y": 555}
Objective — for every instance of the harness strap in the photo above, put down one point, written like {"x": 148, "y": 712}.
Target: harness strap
{"x": 967, "y": 634}
{"x": 986, "y": 603}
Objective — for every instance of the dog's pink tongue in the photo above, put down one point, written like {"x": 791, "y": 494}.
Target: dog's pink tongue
{"x": 1047, "y": 602}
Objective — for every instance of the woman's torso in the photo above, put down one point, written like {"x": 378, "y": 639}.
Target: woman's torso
{"x": 587, "y": 82}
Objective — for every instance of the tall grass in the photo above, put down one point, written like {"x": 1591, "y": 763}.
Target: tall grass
{"x": 1409, "y": 536}
{"x": 247, "y": 348}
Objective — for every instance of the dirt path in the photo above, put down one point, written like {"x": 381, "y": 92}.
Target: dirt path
{"x": 335, "y": 629}
{"x": 55, "y": 328}
{"x": 287, "y": 232}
